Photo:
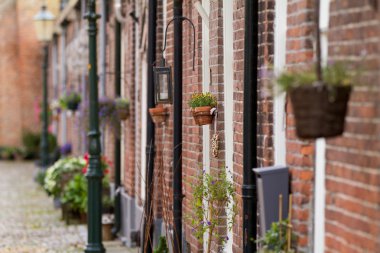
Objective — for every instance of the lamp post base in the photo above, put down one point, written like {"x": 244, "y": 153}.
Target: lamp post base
{"x": 95, "y": 248}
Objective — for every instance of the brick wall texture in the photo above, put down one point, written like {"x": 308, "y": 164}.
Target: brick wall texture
{"x": 352, "y": 160}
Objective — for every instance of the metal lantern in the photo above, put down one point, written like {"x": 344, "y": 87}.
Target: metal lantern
{"x": 163, "y": 83}
{"x": 44, "y": 24}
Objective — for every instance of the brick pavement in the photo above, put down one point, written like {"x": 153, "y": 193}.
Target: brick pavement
{"x": 28, "y": 221}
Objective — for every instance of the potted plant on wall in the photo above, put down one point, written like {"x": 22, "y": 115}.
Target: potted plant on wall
{"x": 218, "y": 191}
{"x": 158, "y": 114}
{"x": 71, "y": 101}
{"x": 203, "y": 106}
{"x": 122, "y": 108}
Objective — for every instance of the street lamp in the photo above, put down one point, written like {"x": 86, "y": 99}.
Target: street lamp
{"x": 44, "y": 25}
{"x": 94, "y": 173}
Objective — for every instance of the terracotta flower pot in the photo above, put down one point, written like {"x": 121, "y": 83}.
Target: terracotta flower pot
{"x": 202, "y": 115}
{"x": 122, "y": 114}
{"x": 158, "y": 114}
{"x": 107, "y": 232}
{"x": 320, "y": 111}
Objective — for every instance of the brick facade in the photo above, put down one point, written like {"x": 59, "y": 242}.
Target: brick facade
{"x": 352, "y": 175}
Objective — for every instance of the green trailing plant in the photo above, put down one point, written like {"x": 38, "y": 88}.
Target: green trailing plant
{"x": 202, "y": 99}
{"x": 60, "y": 173}
{"x": 162, "y": 246}
{"x": 213, "y": 206}
{"x": 275, "y": 239}
{"x": 334, "y": 74}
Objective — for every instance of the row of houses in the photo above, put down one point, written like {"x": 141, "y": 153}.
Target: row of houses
{"x": 227, "y": 49}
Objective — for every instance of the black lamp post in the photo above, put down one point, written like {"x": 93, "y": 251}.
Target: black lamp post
{"x": 44, "y": 25}
{"x": 94, "y": 173}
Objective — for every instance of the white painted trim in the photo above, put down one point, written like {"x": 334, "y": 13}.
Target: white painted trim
{"x": 206, "y": 88}
{"x": 202, "y": 12}
{"x": 320, "y": 157}
{"x": 279, "y": 64}
{"x": 144, "y": 109}
{"x": 228, "y": 48}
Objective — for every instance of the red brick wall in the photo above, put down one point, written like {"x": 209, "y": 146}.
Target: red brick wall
{"x": 352, "y": 170}
{"x": 300, "y": 154}
{"x": 20, "y": 68}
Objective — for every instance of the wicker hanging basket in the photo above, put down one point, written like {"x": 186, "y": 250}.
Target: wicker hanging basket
{"x": 122, "y": 113}
{"x": 202, "y": 115}
{"x": 320, "y": 110}
{"x": 158, "y": 114}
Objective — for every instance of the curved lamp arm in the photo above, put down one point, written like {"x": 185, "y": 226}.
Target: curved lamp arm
{"x": 119, "y": 16}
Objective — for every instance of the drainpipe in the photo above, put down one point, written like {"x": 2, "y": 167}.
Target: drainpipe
{"x": 177, "y": 127}
{"x": 118, "y": 217}
{"x": 63, "y": 79}
{"x": 150, "y": 152}
{"x": 250, "y": 126}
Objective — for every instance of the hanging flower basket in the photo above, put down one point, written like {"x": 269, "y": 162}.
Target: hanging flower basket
{"x": 73, "y": 106}
{"x": 320, "y": 111}
{"x": 158, "y": 114}
{"x": 122, "y": 108}
{"x": 70, "y": 101}
{"x": 203, "y": 115}
{"x": 122, "y": 114}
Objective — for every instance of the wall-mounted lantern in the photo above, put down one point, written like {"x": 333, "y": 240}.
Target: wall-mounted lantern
{"x": 163, "y": 83}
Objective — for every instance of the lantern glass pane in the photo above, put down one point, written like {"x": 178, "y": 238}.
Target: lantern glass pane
{"x": 163, "y": 87}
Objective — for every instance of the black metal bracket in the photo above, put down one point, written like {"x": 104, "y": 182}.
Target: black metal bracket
{"x": 166, "y": 31}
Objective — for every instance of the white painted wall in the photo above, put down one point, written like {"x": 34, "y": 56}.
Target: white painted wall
{"x": 279, "y": 99}
{"x": 320, "y": 158}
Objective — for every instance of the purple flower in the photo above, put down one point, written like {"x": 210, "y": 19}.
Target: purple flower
{"x": 209, "y": 223}
{"x": 227, "y": 238}
{"x": 212, "y": 182}
{"x": 66, "y": 149}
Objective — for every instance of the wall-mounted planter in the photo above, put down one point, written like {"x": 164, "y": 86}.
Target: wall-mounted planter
{"x": 158, "y": 114}
{"x": 203, "y": 115}
{"x": 320, "y": 111}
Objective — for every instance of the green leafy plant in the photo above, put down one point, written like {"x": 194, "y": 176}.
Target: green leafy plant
{"x": 70, "y": 100}
{"x": 31, "y": 144}
{"x": 275, "y": 239}
{"x": 60, "y": 173}
{"x": 202, "y": 99}
{"x": 8, "y": 153}
{"x": 334, "y": 74}
{"x": 214, "y": 205}
{"x": 122, "y": 103}
{"x": 75, "y": 193}
{"x": 162, "y": 246}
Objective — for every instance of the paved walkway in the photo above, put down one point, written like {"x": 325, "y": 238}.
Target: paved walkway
{"x": 28, "y": 221}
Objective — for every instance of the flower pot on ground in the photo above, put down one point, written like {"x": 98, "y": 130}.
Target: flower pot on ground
{"x": 202, "y": 106}
{"x": 158, "y": 114}
{"x": 122, "y": 108}
{"x": 107, "y": 224}
{"x": 319, "y": 107}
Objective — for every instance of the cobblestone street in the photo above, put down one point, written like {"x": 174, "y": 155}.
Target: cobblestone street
{"x": 28, "y": 221}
